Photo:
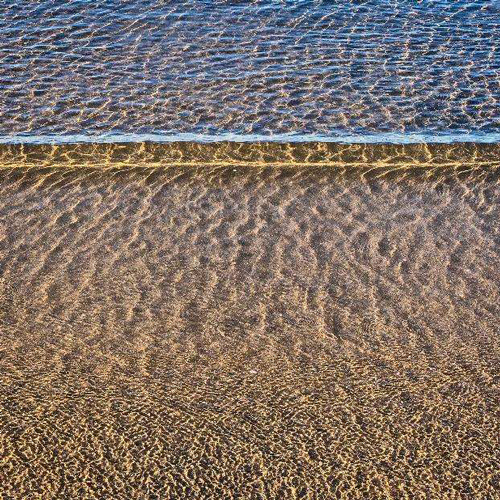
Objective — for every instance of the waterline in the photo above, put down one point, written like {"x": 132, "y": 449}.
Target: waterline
{"x": 376, "y": 138}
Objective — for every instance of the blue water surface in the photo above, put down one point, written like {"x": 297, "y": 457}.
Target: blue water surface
{"x": 359, "y": 71}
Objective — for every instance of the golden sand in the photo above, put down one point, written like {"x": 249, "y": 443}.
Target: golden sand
{"x": 251, "y": 332}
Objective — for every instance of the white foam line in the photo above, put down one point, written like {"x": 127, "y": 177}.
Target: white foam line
{"x": 380, "y": 138}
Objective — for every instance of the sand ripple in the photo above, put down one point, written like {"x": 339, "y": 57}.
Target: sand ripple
{"x": 252, "y": 332}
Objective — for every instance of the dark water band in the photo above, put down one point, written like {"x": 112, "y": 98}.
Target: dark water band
{"x": 259, "y": 154}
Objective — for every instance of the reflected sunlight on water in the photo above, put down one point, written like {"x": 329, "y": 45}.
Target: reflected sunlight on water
{"x": 262, "y": 67}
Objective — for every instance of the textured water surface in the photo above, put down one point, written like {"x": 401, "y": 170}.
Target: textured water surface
{"x": 358, "y": 157}
{"x": 262, "y": 67}
{"x": 212, "y": 287}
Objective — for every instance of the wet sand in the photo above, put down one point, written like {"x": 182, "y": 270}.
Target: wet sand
{"x": 249, "y": 332}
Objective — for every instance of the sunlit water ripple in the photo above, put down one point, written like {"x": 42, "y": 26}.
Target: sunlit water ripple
{"x": 239, "y": 313}
{"x": 354, "y": 71}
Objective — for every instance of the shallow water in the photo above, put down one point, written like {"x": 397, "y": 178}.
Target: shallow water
{"x": 255, "y": 154}
{"x": 257, "y": 68}
{"x": 213, "y": 286}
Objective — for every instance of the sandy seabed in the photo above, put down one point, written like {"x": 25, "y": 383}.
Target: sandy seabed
{"x": 252, "y": 333}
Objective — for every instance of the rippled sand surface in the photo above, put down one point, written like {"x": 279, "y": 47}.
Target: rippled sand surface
{"x": 250, "y": 331}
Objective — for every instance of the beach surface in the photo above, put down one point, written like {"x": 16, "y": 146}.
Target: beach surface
{"x": 240, "y": 331}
